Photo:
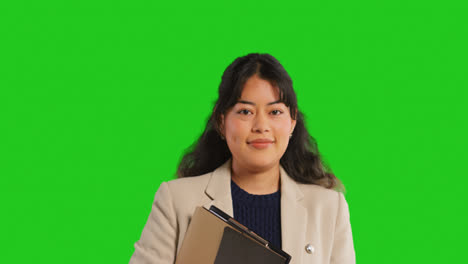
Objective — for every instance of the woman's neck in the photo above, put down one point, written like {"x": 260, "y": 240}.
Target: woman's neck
{"x": 258, "y": 182}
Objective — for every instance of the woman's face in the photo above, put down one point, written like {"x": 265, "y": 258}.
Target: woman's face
{"x": 258, "y": 127}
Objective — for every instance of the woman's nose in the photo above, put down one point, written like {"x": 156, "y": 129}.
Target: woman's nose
{"x": 260, "y": 123}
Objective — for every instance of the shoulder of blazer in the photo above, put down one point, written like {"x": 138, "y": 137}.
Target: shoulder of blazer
{"x": 188, "y": 191}
{"x": 319, "y": 196}
{"x": 193, "y": 182}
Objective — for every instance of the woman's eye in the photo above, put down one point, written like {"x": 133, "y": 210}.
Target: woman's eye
{"x": 244, "y": 111}
{"x": 277, "y": 112}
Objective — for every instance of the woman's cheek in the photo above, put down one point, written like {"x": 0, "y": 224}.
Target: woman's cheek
{"x": 283, "y": 129}
{"x": 241, "y": 129}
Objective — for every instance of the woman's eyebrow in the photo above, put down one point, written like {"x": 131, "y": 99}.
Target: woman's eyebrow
{"x": 252, "y": 103}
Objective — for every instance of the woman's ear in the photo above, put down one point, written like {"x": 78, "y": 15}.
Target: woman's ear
{"x": 221, "y": 126}
{"x": 293, "y": 122}
{"x": 293, "y": 125}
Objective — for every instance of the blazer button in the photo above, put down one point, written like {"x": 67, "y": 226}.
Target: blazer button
{"x": 310, "y": 249}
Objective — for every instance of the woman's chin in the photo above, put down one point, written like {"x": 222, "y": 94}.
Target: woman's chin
{"x": 257, "y": 163}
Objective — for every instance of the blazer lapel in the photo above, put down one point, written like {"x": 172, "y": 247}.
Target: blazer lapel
{"x": 219, "y": 189}
{"x": 293, "y": 218}
{"x": 293, "y": 213}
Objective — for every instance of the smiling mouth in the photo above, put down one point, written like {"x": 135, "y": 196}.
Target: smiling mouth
{"x": 260, "y": 145}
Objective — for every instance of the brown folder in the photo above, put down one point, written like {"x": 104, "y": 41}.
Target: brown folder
{"x": 213, "y": 237}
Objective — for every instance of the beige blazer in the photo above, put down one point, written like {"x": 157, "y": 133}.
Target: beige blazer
{"x": 312, "y": 217}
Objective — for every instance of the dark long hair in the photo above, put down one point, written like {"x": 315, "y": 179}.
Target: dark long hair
{"x": 301, "y": 160}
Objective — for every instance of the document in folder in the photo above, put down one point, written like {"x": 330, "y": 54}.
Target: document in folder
{"x": 213, "y": 237}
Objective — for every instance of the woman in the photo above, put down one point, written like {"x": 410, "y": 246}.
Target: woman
{"x": 257, "y": 162}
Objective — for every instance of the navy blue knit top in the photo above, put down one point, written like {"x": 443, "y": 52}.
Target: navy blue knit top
{"x": 260, "y": 213}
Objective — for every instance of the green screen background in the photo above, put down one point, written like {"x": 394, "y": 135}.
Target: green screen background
{"x": 99, "y": 99}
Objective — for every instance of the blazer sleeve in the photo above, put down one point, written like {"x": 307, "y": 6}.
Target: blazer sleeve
{"x": 343, "y": 247}
{"x": 157, "y": 243}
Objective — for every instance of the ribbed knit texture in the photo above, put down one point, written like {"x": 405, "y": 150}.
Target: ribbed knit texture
{"x": 260, "y": 213}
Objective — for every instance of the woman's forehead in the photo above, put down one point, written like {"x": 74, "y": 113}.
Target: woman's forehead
{"x": 259, "y": 91}
{"x": 247, "y": 102}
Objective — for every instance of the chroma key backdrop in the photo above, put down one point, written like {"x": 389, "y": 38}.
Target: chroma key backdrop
{"x": 99, "y": 100}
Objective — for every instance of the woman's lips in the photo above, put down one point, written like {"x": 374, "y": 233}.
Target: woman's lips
{"x": 261, "y": 144}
